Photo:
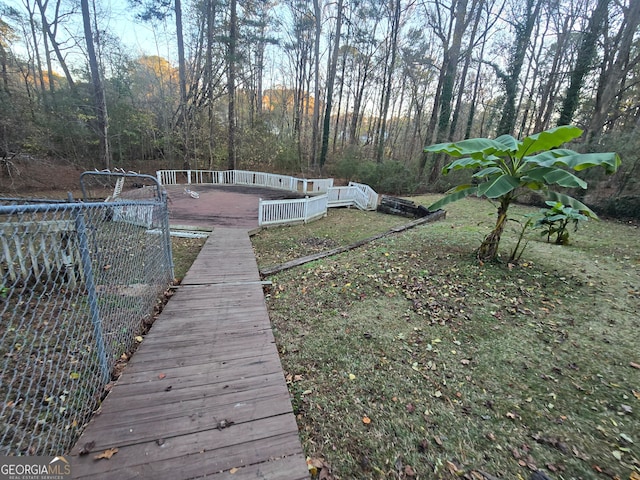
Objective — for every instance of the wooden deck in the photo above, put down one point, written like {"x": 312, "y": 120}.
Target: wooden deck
{"x": 204, "y": 395}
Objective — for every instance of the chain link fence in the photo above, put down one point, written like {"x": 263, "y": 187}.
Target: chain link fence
{"x": 80, "y": 281}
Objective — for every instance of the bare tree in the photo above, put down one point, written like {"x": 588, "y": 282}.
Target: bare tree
{"x": 331, "y": 78}
{"x": 231, "y": 83}
{"x": 522, "y": 40}
{"x": 583, "y": 65}
{"x": 388, "y": 78}
{"x": 614, "y": 72}
{"x": 100, "y": 102}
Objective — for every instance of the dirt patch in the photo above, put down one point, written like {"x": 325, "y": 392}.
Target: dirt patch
{"x": 26, "y": 176}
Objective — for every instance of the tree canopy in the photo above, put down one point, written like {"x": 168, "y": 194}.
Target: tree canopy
{"x": 327, "y": 85}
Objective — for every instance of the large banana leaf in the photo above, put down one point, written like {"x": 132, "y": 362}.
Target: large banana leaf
{"x": 548, "y": 139}
{"x": 510, "y": 144}
{"x": 554, "y": 176}
{"x": 571, "y": 202}
{"x": 499, "y": 186}
{"x": 454, "y": 195}
{"x": 549, "y": 155}
{"x": 472, "y": 147}
{"x": 485, "y": 172}
{"x": 463, "y": 163}
{"x": 610, "y": 161}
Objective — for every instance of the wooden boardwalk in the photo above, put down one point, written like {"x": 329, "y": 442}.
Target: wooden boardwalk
{"x": 204, "y": 395}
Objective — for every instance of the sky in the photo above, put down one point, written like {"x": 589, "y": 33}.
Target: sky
{"x": 118, "y": 18}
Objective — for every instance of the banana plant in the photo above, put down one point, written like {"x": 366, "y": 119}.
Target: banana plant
{"x": 507, "y": 167}
{"x": 555, "y": 220}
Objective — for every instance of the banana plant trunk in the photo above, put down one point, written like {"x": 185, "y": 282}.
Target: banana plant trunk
{"x": 488, "y": 251}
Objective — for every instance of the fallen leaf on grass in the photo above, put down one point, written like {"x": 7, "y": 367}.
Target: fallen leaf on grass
{"x": 454, "y": 468}
{"x": 319, "y": 469}
{"x": 366, "y": 420}
{"x": 107, "y": 454}
{"x": 579, "y": 454}
{"x": 314, "y": 465}
{"x": 634, "y": 476}
{"x": 409, "y": 471}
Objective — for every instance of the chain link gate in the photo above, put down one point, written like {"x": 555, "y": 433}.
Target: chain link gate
{"x": 79, "y": 282}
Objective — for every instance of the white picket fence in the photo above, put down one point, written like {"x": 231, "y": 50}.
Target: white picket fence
{"x": 275, "y": 212}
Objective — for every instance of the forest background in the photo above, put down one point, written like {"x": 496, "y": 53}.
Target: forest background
{"x": 347, "y": 88}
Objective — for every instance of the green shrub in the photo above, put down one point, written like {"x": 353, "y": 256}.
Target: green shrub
{"x": 388, "y": 177}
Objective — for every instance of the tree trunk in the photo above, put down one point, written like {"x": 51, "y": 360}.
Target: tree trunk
{"x": 465, "y": 69}
{"x": 530, "y": 83}
{"x": 315, "y": 121}
{"x": 231, "y": 84}
{"x": 100, "y": 101}
{"x": 46, "y": 26}
{"x": 330, "y": 82}
{"x": 612, "y": 81}
{"x": 340, "y": 97}
{"x": 488, "y": 250}
{"x": 516, "y": 60}
{"x": 38, "y": 71}
{"x": 450, "y": 66}
{"x": 586, "y": 54}
{"x": 210, "y": 15}
{"x": 182, "y": 74}
{"x": 550, "y": 89}
{"x": 3, "y": 70}
{"x": 395, "y": 28}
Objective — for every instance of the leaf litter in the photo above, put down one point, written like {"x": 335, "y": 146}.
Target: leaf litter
{"x": 458, "y": 362}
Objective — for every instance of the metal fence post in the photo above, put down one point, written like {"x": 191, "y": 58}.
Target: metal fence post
{"x": 167, "y": 232}
{"x": 92, "y": 297}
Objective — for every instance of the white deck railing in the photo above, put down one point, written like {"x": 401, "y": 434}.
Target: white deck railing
{"x": 274, "y": 212}
{"x": 369, "y": 198}
{"x": 243, "y": 177}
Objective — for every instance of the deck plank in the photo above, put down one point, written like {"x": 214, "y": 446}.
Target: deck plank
{"x": 205, "y": 392}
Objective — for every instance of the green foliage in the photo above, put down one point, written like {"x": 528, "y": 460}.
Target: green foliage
{"x": 506, "y": 167}
{"x": 287, "y": 158}
{"x": 387, "y": 177}
{"x": 555, "y": 220}
{"x": 627, "y": 207}
{"x": 349, "y": 164}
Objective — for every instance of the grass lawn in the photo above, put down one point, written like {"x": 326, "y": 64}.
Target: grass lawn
{"x": 407, "y": 358}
